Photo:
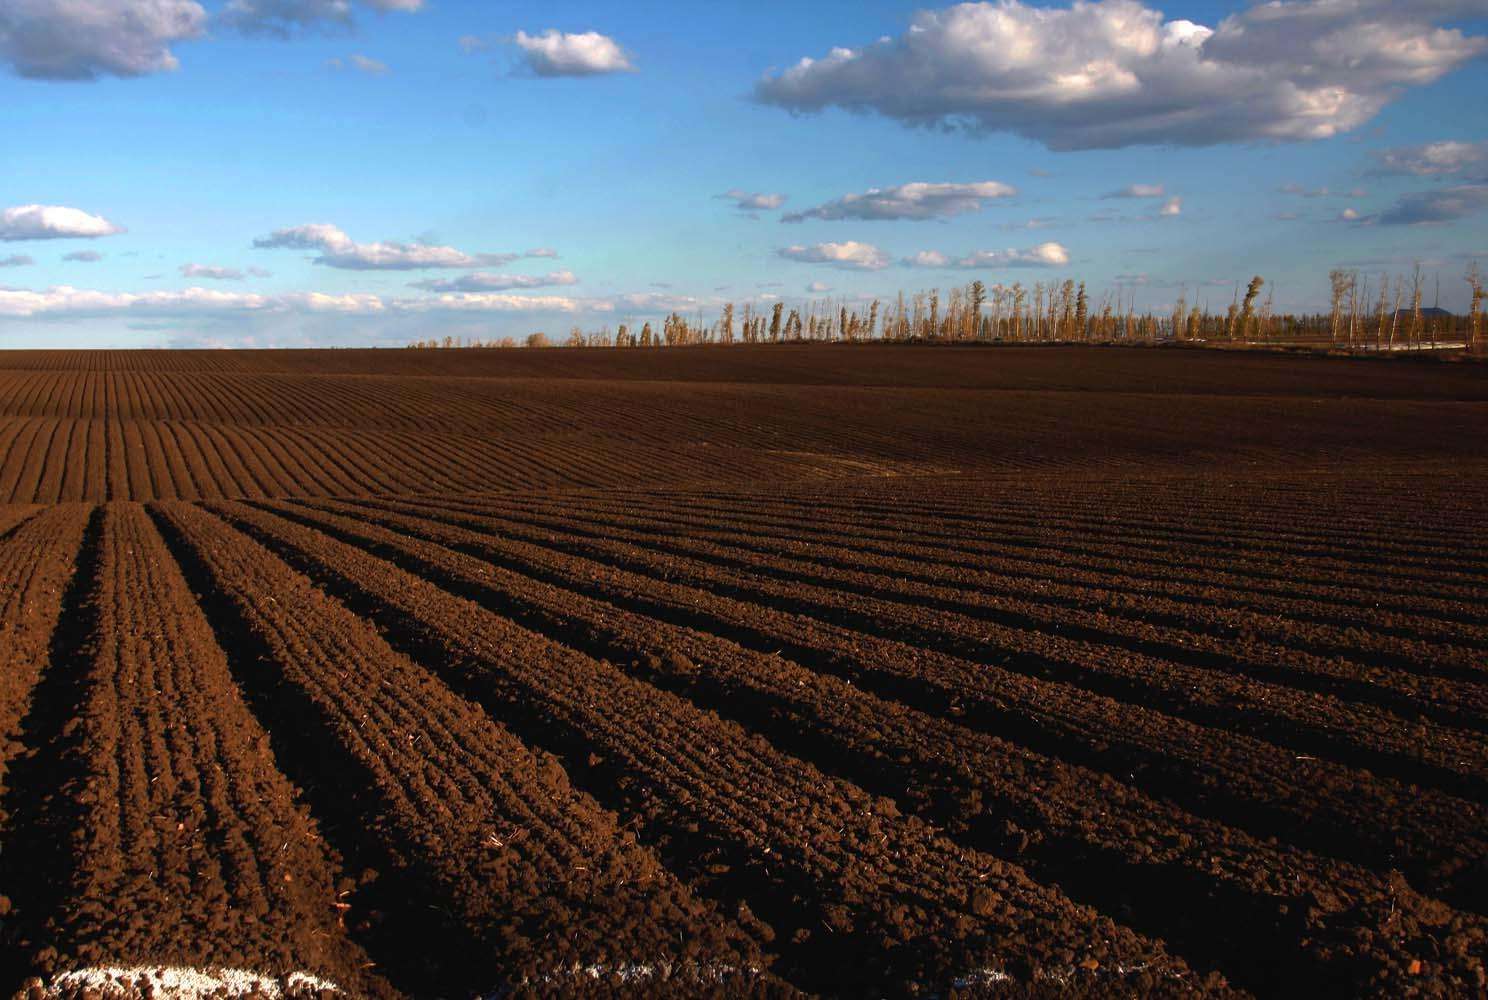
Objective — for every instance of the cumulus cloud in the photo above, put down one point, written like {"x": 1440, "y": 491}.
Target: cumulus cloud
{"x": 86, "y": 39}
{"x": 286, "y": 18}
{"x": 555, "y": 53}
{"x": 850, "y": 256}
{"x": 360, "y": 63}
{"x": 483, "y": 282}
{"x": 52, "y": 222}
{"x": 1138, "y": 191}
{"x": 340, "y": 251}
{"x": 1112, "y": 73}
{"x": 1434, "y": 159}
{"x": 817, "y": 288}
{"x": 1044, "y": 255}
{"x": 84, "y": 256}
{"x": 1173, "y": 206}
{"x": 1421, "y": 208}
{"x": 917, "y": 200}
{"x": 751, "y": 202}
{"x": 17, "y": 260}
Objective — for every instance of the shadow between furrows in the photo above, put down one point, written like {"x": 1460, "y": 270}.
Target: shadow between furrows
{"x": 1261, "y": 723}
{"x": 1155, "y": 773}
{"x": 816, "y": 964}
{"x": 36, "y": 866}
{"x": 1151, "y": 899}
{"x": 396, "y": 917}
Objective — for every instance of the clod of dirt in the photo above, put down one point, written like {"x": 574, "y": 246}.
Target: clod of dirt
{"x": 983, "y": 901}
{"x": 677, "y": 663}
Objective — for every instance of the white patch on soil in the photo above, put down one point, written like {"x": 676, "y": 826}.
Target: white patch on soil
{"x": 641, "y": 972}
{"x": 120, "y": 983}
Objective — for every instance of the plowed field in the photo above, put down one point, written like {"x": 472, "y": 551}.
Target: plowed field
{"x": 843, "y": 671}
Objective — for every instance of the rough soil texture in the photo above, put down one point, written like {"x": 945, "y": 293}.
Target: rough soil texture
{"x": 854, "y": 672}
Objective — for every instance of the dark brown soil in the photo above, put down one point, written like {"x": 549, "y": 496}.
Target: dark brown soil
{"x": 898, "y": 671}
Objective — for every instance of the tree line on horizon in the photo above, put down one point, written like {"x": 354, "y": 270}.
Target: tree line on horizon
{"x": 1389, "y": 316}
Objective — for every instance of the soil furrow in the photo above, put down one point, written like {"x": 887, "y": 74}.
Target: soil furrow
{"x": 828, "y": 865}
{"x": 1338, "y": 923}
{"x": 494, "y": 870}
{"x": 1230, "y": 775}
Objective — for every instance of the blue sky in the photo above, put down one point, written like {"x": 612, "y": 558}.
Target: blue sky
{"x": 431, "y": 132}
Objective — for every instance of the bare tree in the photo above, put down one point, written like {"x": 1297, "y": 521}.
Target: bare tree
{"x": 1247, "y": 309}
{"x": 1475, "y": 314}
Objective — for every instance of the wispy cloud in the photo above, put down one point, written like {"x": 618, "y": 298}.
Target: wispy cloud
{"x": 361, "y": 64}
{"x": 17, "y": 260}
{"x": 217, "y": 273}
{"x": 916, "y": 200}
{"x": 287, "y": 18}
{"x": 1437, "y": 207}
{"x": 65, "y": 300}
{"x": 1137, "y": 191}
{"x": 1044, "y": 255}
{"x": 340, "y": 251}
{"x": 1434, "y": 159}
{"x": 484, "y": 282}
{"x": 83, "y": 256}
{"x": 751, "y": 203}
{"x": 1302, "y": 191}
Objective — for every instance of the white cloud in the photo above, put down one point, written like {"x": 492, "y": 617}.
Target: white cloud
{"x": 750, "y": 202}
{"x": 1044, "y": 255}
{"x": 215, "y": 273}
{"x": 285, "y": 18}
{"x": 65, "y": 300}
{"x": 1434, "y": 159}
{"x": 545, "y": 252}
{"x": 491, "y": 302}
{"x": 1111, "y": 73}
{"x": 483, "y": 282}
{"x": 1138, "y": 191}
{"x": 52, "y": 222}
{"x": 917, "y": 200}
{"x": 554, "y": 53}
{"x": 17, "y": 260}
{"x": 1173, "y": 206}
{"x": 851, "y": 256}
{"x": 927, "y": 258}
{"x": 654, "y": 303}
{"x": 360, "y": 63}
{"x": 86, "y": 39}
{"x": 340, "y": 251}
{"x": 1421, "y": 208}
{"x": 817, "y": 288}
{"x": 83, "y": 256}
